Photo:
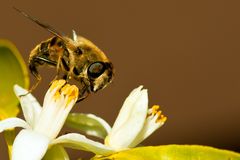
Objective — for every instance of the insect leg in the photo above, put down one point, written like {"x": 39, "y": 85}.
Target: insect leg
{"x": 39, "y": 78}
{"x": 58, "y": 68}
{"x": 84, "y": 94}
{"x": 35, "y": 73}
{"x": 84, "y": 91}
{"x": 36, "y": 61}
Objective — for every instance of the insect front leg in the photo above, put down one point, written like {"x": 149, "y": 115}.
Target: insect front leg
{"x": 83, "y": 94}
{"x": 33, "y": 64}
{"x": 58, "y": 68}
{"x": 33, "y": 69}
{"x": 39, "y": 78}
{"x": 84, "y": 91}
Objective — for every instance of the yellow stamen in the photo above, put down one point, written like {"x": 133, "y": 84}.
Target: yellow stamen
{"x": 65, "y": 88}
{"x": 161, "y": 119}
{"x": 155, "y": 111}
{"x": 159, "y": 113}
{"x": 57, "y": 83}
{"x": 56, "y": 95}
{"x": 71, "y": 91}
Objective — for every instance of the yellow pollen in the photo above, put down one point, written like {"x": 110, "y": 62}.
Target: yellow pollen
{"x": 56, "y": 95}
{"x": 155, "y": 107}
{"x": 155, "y": 111}
{"x": 57, "y": 83}
{"x": 65, "y": 88}
{"x": 71, "y": 91}
{"x": 159, "y": 113}
{"x": 161, "y": 119}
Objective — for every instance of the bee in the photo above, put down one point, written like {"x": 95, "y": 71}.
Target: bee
{"x": 76, "y": 58}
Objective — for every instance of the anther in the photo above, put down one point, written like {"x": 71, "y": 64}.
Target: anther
{"x": 70, "y": 91}
{"x": 161, "y": 119}
{"x": 57, "y": 83}
{"x": 154, "y": 110}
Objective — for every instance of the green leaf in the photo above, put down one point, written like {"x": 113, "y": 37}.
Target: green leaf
{"x": 12, "y": 71}
{"x": 87, "y": 124}
{"x": 173, "y": 152}
{"x": 56, "y": 152}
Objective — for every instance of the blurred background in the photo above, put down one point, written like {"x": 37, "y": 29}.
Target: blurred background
{"x": 186, "y": 53}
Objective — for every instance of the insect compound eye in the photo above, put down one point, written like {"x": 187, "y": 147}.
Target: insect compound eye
{"x": 96, "y": 69}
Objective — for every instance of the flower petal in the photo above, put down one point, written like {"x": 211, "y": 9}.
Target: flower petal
{"x": 58, "y": 101}
{"x": 128, "y": 131}
{"x": 12, "y": 123}
{"x": 154, "y": 121}
{"x": 78, "y": 141}
{"x": 30, "y": 106}
{"x": 29, "y": 145}
{"x": 126, "y": 108}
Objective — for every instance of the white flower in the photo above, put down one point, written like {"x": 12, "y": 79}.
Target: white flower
{"x": 42, "y": 124}
{"x": 134, "y": 123}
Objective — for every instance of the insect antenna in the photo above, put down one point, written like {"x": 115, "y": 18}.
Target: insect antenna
{"x": 43, "y": 25}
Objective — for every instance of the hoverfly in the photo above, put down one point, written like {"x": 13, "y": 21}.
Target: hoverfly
{"x": 76, "y": 58}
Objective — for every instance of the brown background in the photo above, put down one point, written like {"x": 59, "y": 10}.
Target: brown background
{"x": 186, "y": 53}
